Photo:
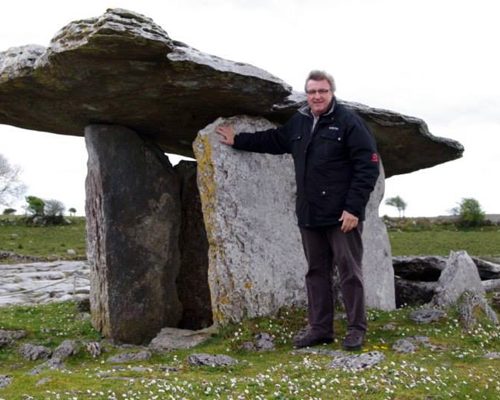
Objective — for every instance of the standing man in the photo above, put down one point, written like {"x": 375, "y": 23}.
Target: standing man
{"x": 336, "y": 168}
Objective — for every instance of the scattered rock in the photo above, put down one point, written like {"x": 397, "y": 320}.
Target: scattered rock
{"x": 426, "y": 316}
{"x": 33, "y": 352}
{"x": 404, "y": 346}
{"x": 491, "y": 285}
{"x": 130, "y": 357}
{"x": 172, "y": 338}
{"x": 262, "y": 342}
{"x": 66, "y": 349}
{"x": 216, "y": 360}
{"x": 8, "y": 337}
{"x": 71, "y": 252}
{"x": 391, "y": 326}
{"x": 358, "y": 362}
{"x": 471, "y": 306}
{"x": 492, "y": 355}
{"x": 94, "y": 348}
{"x": 5, "y": 380}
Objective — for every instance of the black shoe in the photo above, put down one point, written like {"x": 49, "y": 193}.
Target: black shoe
{"x": 309, "y": 340}
{"x": 354, "y": 340}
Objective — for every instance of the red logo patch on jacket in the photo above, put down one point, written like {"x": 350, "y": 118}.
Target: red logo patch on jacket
{"x": 374, "y": 158}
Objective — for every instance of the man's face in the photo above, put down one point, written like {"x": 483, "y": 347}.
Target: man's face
{"x": 319, "y": 96}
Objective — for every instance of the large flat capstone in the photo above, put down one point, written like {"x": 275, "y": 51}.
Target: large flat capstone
{"x": 123, "y": 69}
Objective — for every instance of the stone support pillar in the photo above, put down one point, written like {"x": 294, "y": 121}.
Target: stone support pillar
{"x": 378, "y": 272}
{"x": 133, "y": 221}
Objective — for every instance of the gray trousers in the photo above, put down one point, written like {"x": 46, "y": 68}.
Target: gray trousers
{"x": 326, "y": 248}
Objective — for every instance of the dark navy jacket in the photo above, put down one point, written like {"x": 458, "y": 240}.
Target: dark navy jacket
{"x": 336, "y": 165}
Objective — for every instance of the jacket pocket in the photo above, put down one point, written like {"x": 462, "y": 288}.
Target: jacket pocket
{"x": 332, "y": 143}
{"x": 296, "y": 144}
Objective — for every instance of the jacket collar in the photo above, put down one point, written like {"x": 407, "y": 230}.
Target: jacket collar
{"x": 306, "y": 110}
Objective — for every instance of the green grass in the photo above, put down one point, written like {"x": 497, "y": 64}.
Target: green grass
{"x": 51, "y": 242}
{"x": 485, "y": 242}
{"x": 457, "y": 372}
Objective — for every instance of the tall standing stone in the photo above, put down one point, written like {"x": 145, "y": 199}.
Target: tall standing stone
{"x": 378, "y": 272}
{"x": 256, "y": 263}
{"x": 133, "y": 218}
{"x": 192, "y": 282}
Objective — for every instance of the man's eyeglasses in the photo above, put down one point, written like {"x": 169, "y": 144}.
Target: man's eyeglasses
{"x": 312, "y": 92}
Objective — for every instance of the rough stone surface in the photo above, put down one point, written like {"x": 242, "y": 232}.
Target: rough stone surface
{"x": 256, "y": 262}
{"x": 424, "y": 268}
{"x": 43, "y": 282}
{"x": 130, "y": 357}
{"x": 378, "y": 272}
{"x": 33, "y": 352}
{"x": 121, "y": 68}
{"x": 5, "y": 380}
{"x": 66, "y": 349}
{"x": 133, "y": 220}
{"x": 429, "y": 268}
{"x": 216, "y": 360}
{"x": 491, "y": 285}
{"x": 192, "y": 282}
{"x": 358, "y": 362}
{"x": 492, "y": 355}
{"x": 404, "y": 346}
{"x": 471, "y": 306}
{"x": 426, "y": 316}
{"x": 172, "y": 339}
{"x": 487, "y": 269}
{"x": 262, "y": 342}
{"x": 413, "y": 293}
{"x": 459, "y": 276}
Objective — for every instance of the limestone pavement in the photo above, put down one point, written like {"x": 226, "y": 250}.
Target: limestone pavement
{"x": 43, "y": 282}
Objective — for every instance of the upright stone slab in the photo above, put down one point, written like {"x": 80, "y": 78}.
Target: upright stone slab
{"x": 256, "y": 263}
{"x": 192, "y": 282}
{"x": 459, "y": 276}
{"x": 133, "y": 219}
{"x": 378, "y": 272}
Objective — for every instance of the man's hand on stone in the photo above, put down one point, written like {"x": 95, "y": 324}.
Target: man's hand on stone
{"x": 349, "y": 222}
{"x": 226, "y": 133}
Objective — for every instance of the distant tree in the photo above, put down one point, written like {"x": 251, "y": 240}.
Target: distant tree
{"x": 10, "y": 185}
{"x": 72, "y": 211}
{"x": 36, "y": 206}
{"x": 469, "y": 213}
{"x": 397, "y": 202}
{"x": 9, "y": 211}
{"x": 54, "y": 208}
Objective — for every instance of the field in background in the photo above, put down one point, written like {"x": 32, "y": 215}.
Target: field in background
{"x": 418, "y": 236}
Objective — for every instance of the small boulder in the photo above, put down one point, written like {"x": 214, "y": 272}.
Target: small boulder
{"x": 33, "y": 352}
{"x": 426, "y": 316}
{"x": 216, "y": 360}
{"x": 358, "y": 362}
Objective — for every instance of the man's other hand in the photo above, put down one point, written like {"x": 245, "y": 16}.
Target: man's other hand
{"x": 349, "y": 221}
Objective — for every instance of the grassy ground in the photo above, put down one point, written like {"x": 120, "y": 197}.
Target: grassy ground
{"x": 477, "y": 242}
{"x": 49, "y": 243}
{"x": 457, "y": 371}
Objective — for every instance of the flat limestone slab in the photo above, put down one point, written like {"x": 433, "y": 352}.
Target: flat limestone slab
{"x": 123, "y": 69}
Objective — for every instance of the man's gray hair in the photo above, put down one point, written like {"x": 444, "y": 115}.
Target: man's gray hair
{"x": 317, "y": 75}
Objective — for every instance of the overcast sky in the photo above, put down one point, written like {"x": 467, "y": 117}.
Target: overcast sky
{"x": 433, "y": 59}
